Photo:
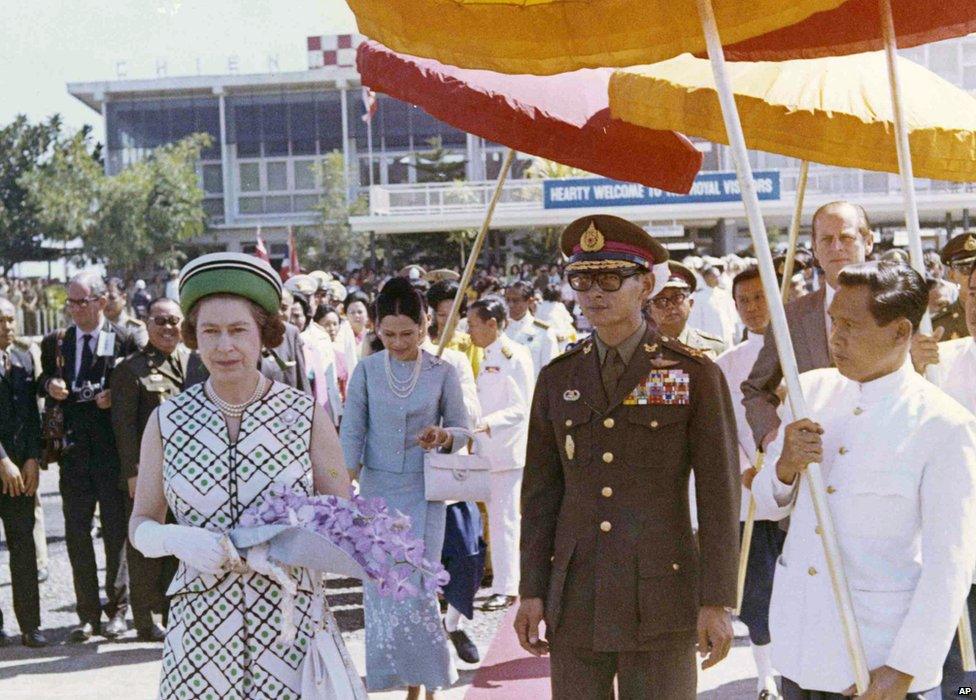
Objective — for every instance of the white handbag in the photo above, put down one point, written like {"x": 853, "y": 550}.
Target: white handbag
{"x": 456, "y": 476}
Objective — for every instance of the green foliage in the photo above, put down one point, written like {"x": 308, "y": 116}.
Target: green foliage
{"x": 25, "y": 148}
{"x": 434, "y": 166}
{"x": 141, "y": 215}
{"x": 339, "y": 243}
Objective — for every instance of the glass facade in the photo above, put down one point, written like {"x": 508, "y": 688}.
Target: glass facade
{"x": 284, "y": 124}
{"x": 135, "y": 127}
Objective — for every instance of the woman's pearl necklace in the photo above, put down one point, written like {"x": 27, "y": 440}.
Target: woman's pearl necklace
{"x": 234, "y": 410}
{"x": 402, "y": 388}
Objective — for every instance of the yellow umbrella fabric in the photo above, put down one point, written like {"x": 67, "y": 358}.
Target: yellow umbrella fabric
{"x": 544, "y": 37}
{"x": 835, "y": 111}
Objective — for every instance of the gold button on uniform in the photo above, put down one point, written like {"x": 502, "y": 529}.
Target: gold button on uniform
{"x": 831, "y": 489}
{"x": 608, "y": 423}
{"x": 606, "y": 526}
{"x": 608, "y": 457}
{"x": 654, "y": 424}
{"x": 812, "y": 571}
{"x": 676, "y": 566}
{"x": 818, "y": 530}
{"x": 858, "y": 411}
{"x": 569, "y": 422}
{"x": 843, "y": 450}
{"x": 606, "y": 491}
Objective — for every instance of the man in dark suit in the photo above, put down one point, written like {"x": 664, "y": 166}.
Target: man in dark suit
{"x": 77, "y": 365}
{"x": 140, "y": 383}
{"x": 841, "y": 236}
{"x": 20, "y": 451}
{"x": 609, "y": 559}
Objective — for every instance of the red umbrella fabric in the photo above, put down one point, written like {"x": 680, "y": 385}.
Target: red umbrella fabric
{"x": 563, "y": 117}
{"x": 855, "y": 27}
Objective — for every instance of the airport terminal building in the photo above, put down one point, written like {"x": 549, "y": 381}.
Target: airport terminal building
{"x": 270, "y": 130}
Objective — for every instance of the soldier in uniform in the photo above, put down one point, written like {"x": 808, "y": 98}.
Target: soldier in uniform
{"x": 118, "y": 315}
{"x": 139, "y": 385}
{"x": 538, "y": 336}
{"x": 607, "y": 551}
{"x": 20, "y": 452}
{"x": 671, "y": 309}
{"x": 958, "y": 256}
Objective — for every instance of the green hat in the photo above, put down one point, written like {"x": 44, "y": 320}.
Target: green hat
{"x": 230, "y": 273}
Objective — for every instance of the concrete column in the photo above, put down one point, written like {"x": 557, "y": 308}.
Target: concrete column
{"x": 726, "y": 231}
{"x": 226, "y": 164}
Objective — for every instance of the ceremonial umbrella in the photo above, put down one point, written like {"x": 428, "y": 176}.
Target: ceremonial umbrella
{"x": 544, "y": 37}
{"x": 564, "y": 117}
{"x": 552, "y": 36}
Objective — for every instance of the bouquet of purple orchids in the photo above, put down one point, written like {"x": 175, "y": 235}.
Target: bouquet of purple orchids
{"x": 355, "y": 537}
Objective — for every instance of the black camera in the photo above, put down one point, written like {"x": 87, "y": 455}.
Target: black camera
{"x": 87, "y": 392}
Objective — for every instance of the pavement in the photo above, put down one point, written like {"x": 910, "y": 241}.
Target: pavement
{"x": 99, "y": 668}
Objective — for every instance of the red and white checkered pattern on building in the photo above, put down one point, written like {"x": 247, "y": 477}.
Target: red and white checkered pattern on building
{"x": 333, "y": 50}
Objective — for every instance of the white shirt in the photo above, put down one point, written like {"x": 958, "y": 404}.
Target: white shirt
{"x": 714, "y": 312}
{"x": 506, "y": 380}
{"x": 460, "y": 362}
{"x": 904, "y": 510}
{"x": 556, "y": 314}
{"x": 828, "y": 299}
{"x": 541, "y": 342}
{"x": 736, "y": 364}
{"x": 320, "y": 359}
{"x": 956, "y": 372}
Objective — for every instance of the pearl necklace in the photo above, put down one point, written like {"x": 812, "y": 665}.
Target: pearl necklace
{"x": 234, "y": 410}
{"x": 402, "y": 388}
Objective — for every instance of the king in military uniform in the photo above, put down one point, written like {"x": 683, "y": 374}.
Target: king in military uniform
{"x": 608, "y": 558}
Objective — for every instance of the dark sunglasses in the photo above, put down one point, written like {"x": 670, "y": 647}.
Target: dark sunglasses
{"x": 167, "y": 321}
{"x": 607, "y": 281}
{"x": 662, "y": 302}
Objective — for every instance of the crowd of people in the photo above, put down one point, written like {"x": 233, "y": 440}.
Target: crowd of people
{"x": 622, "y": 401}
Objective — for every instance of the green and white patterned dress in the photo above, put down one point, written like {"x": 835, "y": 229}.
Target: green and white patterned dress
{"x": 222, "y": 640}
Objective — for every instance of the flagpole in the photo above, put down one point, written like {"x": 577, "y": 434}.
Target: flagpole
{"x": 369, "y": 145}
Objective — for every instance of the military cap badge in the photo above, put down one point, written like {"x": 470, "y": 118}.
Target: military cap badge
{"x": 592, "y": 240}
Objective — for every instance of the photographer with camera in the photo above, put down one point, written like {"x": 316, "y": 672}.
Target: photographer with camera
{"x": 77, "y": 363}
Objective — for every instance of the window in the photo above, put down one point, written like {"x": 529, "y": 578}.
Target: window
{"x": 944, "y": 60}
{"x": 213, "y": 178}
{"x": 277, "y": 175}
{"x": 250, "y": 177}
{"x": 306, "y": 175}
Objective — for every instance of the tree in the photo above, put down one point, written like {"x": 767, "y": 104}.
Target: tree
{"x": 339, "y": 243}
{"x": 25, "y": 148}
{"x": 140, "y": 216}
{"x": 436, "y": 165}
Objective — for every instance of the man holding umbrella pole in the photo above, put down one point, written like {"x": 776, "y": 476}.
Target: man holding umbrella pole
{"x": 904, "y": 507}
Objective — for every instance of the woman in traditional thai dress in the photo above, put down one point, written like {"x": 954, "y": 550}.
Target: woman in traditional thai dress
{"x": 400, "y": 402}
{"x": 210, "y": 453}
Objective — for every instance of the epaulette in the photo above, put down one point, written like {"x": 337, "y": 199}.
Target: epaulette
{"x": 541, "y": 324}
{"x": 682, "y": 349}
{"x": 134, "y": 322}
{"x": 507, "y": 352}
{"x": 22, "y": 343}
{"x": 585, "y": 345}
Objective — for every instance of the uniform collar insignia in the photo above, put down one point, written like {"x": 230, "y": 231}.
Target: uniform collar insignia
{"x": 650, "y": 348}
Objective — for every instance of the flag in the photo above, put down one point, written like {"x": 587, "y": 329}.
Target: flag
{"x": 369, "y": 102}
{"x": 291, "y": 267}
{"x": 259, "y": 250}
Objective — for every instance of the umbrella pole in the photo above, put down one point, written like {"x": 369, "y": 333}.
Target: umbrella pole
{"x": 784, "y": 343}
{"x": 746, "y": 546}
{"x": 801, "y": 191}
{"x": 448, "y": 331}
{"x": 914, "y": 237}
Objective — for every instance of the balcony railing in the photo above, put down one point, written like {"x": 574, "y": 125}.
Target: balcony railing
{"x": 466, "y": 197}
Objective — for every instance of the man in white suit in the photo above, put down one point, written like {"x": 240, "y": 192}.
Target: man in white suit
{"x": 524, "y": 328}
{"x": 904, "y": 507}
{"x": 506, "y": 379}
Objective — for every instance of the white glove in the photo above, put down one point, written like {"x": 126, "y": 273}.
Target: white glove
{"x": 207, "y": 552}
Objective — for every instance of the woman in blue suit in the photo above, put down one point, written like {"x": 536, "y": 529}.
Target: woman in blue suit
{"x": 400, "y": 402}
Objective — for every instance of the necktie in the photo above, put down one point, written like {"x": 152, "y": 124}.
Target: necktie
{"x": 613, "y": 369}
{"x": 87, "y": 359}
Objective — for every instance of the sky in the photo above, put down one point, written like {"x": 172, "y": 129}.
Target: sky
{"x": 45, "y": 44}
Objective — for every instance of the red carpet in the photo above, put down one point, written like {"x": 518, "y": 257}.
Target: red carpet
{"x": 509, "y": 671}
